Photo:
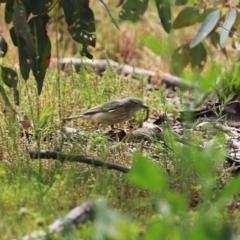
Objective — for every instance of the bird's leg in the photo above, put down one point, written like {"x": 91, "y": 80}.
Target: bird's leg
{"x": 99, "y": 129}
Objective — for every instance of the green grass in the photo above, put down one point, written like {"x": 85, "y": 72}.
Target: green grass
{"x": 161, "y": 193}
{"x": 184, "y": 194}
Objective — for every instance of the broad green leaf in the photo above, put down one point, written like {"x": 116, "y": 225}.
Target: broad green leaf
{"x": 28, "y": 6}
{"x": 164, "y": 13}
{"x": 9, "y": 76}
{"x": 133, "y": 10}
{"x": 43, "y": 48}
{"x": 187, "y": 17}
{"x": 22, "y": 29}
{"x": 68, "y": 8}
{"x": 24, "y": 61}
{"x": 226, "y": 27}
{"x": 40, "y": 65}
{"x": 198, "y": 56}
{"x": 146, "y": 174}
{"x": 180, "y": 2}
{"x": 13, "y": 36}
{"x": 180, "y": 58}
{"x": 202, "y": 17}
{"x": 9, "y": 11}
{"x": 81, "y": 24}
{"x": 41, "y": 7}
{"x": 207, "y": 26}
{"x": 3, "y": 46}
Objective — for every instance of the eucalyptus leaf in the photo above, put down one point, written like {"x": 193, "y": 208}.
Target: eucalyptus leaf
{"x": 132, "y": 10}
{"x": 164, "y": 13}
{"x": 207, "y": 26}
{"x": 226, "y": 27}
{"x": 3, "y": 46}
{"x": 187, "y": 17}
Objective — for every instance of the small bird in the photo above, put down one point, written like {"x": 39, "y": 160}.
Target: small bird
{"x": 113, "y": 112}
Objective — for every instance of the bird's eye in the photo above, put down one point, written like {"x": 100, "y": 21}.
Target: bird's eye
{"x": 135, "y": 102}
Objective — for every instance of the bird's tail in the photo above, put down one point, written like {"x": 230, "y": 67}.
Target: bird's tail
{"x": 74, "y": 117}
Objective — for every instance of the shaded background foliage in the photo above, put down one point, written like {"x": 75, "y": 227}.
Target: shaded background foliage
{"x": 29, "y": 19}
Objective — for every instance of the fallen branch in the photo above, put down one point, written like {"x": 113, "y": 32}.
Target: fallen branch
{"x": 78, "y": 215}
{"x": 77, "y": 158}
{"x": 101, "y": 65}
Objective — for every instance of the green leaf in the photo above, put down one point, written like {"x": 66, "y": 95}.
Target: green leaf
{"x": 40, "y": 64}
{"x": 9, "y": 76}
{"x": 81, "y": 24}
{"x": 207, "y": 26}
{"x": 202, "y": 17}
{"x": 164, "y": 13}
{"x": 146, "y": 174}
{"x": 198, "y": 56}
{"x": 28, "y": 6}
{"x": 24, "y": 62}
{"x": 13, "y": 36}
{"x": 41, "y": 7}
{"x": 187, "y": 17}
{"x": 180, "y": 58}
{"x": 43, "y": 48}
{"x": 22, "y": 29}
{"x": 3, "y": 46}
{"x": 133, "y": 10}
{"x": 9, "y": 11}
{"x": 226, "y": 27}
{"x": 180, "y": 2}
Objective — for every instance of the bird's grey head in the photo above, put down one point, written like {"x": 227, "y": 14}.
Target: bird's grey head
{"x": 136, "y": 103}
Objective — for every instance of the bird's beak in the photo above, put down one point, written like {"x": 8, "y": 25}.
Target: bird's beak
{"x": 145, "y": 106}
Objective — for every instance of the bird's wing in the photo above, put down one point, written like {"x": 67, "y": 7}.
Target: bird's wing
{"x": 109, "y": 106}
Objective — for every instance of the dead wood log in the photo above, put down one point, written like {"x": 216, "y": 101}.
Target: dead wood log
{"x": 101, "y": 65}
{"x": 79, "y": 215}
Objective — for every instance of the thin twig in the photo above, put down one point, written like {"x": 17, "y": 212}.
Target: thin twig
{"x": 110, "y": 15}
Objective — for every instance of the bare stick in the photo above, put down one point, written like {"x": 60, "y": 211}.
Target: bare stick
{"x": 77, "y": 158}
